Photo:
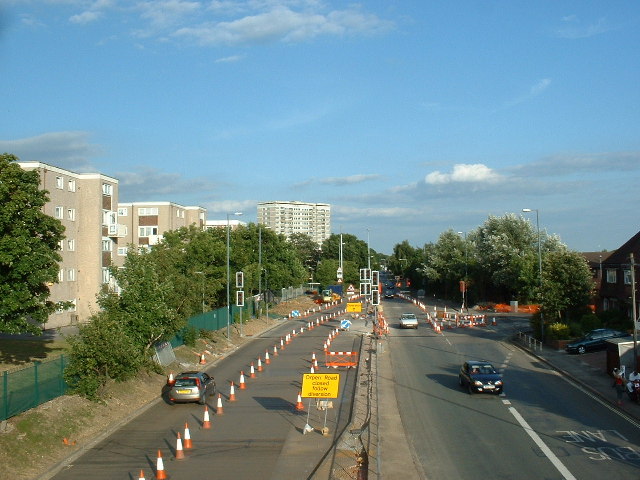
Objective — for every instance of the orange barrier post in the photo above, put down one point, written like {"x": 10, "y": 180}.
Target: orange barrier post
{"x": 187, "y": 437}
{"x": 160, "y": 473}
{"x": 179, "y": 450}
{"x": 206, "y": 422}
{"x": 219, "y": 410}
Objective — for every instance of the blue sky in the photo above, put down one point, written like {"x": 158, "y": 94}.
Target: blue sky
{"x": 408, "y": 117}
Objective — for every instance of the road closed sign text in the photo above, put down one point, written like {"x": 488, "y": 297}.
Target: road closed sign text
{"x": 320, "y": 385}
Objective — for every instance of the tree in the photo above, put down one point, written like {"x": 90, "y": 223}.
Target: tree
{"x": 29, "y": 255}
{"x": 567, "y": 285}
{"x": 307, "y": 250}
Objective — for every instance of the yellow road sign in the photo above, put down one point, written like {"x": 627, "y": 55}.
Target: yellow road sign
{"x": 354, "y": 307}
{"x": 320, "y": 385}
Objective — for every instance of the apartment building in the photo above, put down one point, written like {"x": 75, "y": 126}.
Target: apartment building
{"x": 144, "y": 223}
{"x": 287, "y": 218}
{"x": 85, "y": 203}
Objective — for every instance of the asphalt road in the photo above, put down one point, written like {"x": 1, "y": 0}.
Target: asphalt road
{"x": 542, "y": 427}
{"x": 260, "y": 435}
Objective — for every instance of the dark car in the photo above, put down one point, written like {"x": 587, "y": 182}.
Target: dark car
{"x": 192, "y": 387}
{"x": 389, "y": 293}
{"x": 480, "y": 376}
{"x": 594, "y": 340}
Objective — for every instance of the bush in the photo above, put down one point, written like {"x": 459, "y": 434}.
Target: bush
{"x": 575, "y": 330}
{"x": 558, "y": 331}
{"x": 590, "y": 322}
{"x": 189, "y": 336}
{"x": 615, "y": 319}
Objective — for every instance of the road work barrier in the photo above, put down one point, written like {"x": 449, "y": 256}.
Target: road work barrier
{"x": 341, "y": 359}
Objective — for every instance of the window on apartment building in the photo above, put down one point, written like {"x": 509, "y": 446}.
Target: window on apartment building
{"x": 106, "y": 275}
{"x": 71, "y": 185}
{"x": 107, "y": 189}
{"x": 71, "y": 214}
{"x": 611, "y": 275}
{"x": 122, "y": 251}
{"x": 61, "y": 275}
{"x": 123, "y": 212}
{"x": 627, "y": 277}
{"x": 147, "y": 231}
{"x": 147, "y": 211}
{"x": 71, "y": 274}
{"x": 109, "y": 217}
{"x": 71, "y": 244}
{"x": 61, "y": 245}
{"x": 59, "y": 183}
{"x": 106, "y": 245}
{"x": 59, "y": 212}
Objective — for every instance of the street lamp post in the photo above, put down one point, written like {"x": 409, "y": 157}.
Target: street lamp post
{"x": 527, "y": 210}
{"x": 202, "y": 273}
{"x": 466, "y": 263}
{"x": 229, "y": 275}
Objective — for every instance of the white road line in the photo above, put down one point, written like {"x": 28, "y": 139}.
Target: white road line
{"x": 564, "y": 471}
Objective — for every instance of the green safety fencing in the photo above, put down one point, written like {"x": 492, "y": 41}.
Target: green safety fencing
{"x": 31, "y": 386}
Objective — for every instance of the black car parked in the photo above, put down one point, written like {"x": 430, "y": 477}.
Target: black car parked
{"x": 594, "y": 340}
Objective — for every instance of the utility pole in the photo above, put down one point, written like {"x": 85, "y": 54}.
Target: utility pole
{"x": 633, "y": 309}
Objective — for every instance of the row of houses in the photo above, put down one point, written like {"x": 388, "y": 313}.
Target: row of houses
{"x": 99, "y": 229}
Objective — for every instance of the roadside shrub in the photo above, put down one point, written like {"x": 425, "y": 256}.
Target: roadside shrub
{"x": 575, "y": 330}
{"x": 590, "y": 322}
{"x": 558, "y": 331}
{"x": 101, "y": 351}
{"x": 189, "y": 336}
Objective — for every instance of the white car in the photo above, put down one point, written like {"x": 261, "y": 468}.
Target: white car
{"x": 408, "y": 320}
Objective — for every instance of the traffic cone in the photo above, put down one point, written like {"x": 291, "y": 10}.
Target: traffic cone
{"x": 315, "y": 362}
{"x": 313, "y": 356}
{"x": 160, "y": 474}
{"x": 232, "y": 393}
{"x": 275, "y": 351}
{"x": 259, "y": 364}
{"x": 203, "y": 361}
{"x": 206, "y": 423}
{"x": 141, "y": 476}
{"x": 171, "y": 379}
{"x": 187, "y": 437}
{"x": 179, "y": 450}
{"x": 312, "y": 369}
{"x": 242, "y": 384}
{"x": 267, "y": 360}
{"x": 299, "y": 405}
{"x": 219, "y": 410}
{"x": 252, "y": 371}
{"x": 493, "y": 321}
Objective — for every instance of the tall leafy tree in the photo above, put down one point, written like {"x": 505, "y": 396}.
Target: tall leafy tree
{"x": 29, "y": 255}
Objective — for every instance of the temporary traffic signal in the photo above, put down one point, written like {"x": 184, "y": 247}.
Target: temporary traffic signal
{"x": 375, "y": 278}
{"x": 240, "y": 298}
{"x": 239, "y": 279}
{"x": 375, "y": 297}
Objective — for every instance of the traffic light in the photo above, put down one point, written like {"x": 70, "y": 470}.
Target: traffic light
{"x": 365, "y": 289}
{"x": 375, "y": 297}
{"x": 365, "y": 275}
{"x": 240, "y": 298}
{"x": 375, "y": 278}
{"x": 239, "y": 279}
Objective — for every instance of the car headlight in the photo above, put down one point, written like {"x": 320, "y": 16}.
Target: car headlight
{"x": 498, "y": 382}
{"x": 477, "y": 383}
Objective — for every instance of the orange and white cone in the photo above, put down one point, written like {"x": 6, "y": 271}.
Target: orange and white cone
{"x": 312, "y": 369}
{"x": 232, "y": 393}
{"x": 243, "y": 385}
{"x": 313, "y": 356}
{"x": 299, "y": 405}
{"x": 187, "y": 437}
{"x": 275, "y": 350}
{"x": 219, "y": 410}
{"x": 267, "y": 360}
{"x": 203, "y": 361}
{"x": 179, "y": 449}
{"x": 315, "y": 362}
{"x": 252, "y": 371}
{"x": 171, "y": 379}
{"x": 206, "y": 421}
{"x": 259, "y": 364}
{"x": 160, "y": 473}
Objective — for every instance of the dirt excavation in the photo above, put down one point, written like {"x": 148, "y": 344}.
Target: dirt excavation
{"x": 34, "y": 442}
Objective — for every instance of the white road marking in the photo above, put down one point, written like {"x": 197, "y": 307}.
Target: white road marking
{"x": 506, "y": 402}
{"x": 564, "y": 471}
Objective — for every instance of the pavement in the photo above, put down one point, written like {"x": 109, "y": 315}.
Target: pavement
{"x": 588, "y": 370}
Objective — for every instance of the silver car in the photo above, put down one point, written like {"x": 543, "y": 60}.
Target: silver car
{"x": 192, "y": 387}
{"x": 408, "y": 320}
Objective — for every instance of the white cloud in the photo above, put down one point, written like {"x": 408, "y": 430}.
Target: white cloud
{"x": 350, "y": 180}
{"x": 230, "y": 59}
{"x": 85, "y": 17}
{"x": 70, "y": 150}
{"x": 283, "y": 24}
{"x": 464, "y": 173}
{"x": 150, "y": 184}
{"x": 574, "y": 28}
